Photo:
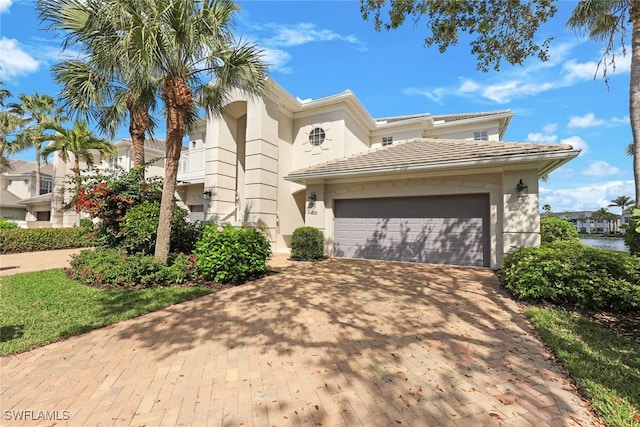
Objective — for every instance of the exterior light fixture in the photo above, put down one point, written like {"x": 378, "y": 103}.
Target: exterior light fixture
{"x": 312, "y": 197}
{"x": 522, "y": 189}
{"x": 209, "y": 193}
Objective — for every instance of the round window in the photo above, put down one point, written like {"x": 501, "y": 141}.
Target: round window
{"x": 316, "y": 137}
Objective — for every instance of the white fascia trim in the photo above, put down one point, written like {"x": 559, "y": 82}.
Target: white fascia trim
{"x": 560, "y": 157}
{"x": 480, "y": 119}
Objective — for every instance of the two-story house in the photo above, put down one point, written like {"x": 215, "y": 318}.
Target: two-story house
{"x": 18, "y": 190}
{"x": 425, "y": 188}
{"x": 154, "y": 154}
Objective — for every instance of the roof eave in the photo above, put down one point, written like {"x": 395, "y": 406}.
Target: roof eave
{"x": 557, "y": 159}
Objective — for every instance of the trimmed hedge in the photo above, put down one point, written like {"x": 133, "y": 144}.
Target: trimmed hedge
{"x": 307, "y": 244}
{"x": 45, "y": 239}
{"x": 113, "y": 268}
{"x": 553, "y": 229}
{"x": 575, "y": 274}
{"x": 227, "y": 254}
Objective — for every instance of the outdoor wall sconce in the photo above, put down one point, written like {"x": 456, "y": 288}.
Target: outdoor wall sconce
{"x": 522, "y": 189}
{"x": 312, "y": 197}
{"x": 209, "y": 193}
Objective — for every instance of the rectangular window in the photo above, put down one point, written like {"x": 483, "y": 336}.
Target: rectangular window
{"x": 45, "y": 187}
{"x": 480, "y": 136}
{"x": 387, "y": 140}
{"x": 43, "y": 216}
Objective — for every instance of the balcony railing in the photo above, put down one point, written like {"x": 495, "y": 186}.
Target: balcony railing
{"x": 191, "y": 166}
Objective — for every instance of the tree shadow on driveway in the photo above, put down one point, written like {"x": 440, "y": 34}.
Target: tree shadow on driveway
{"x": 363, "y": 342}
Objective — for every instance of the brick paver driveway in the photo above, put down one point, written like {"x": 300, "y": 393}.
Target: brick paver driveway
{"x": 338, "y": 342}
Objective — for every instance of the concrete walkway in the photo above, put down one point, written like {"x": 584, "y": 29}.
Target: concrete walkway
{"x": 333, "y": 343}
{"x": 35, "y": 261}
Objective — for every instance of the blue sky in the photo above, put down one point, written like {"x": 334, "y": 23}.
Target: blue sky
{"x": 319, "y": 48}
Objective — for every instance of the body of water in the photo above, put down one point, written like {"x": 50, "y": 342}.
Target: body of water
{"x": 613, "y": 244}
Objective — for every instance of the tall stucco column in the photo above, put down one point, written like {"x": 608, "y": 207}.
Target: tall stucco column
{"x": 220, "y": 170}
{"x": 260, "y": 195}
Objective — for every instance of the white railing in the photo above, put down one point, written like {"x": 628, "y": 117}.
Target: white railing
{"x": 191, "y": 166}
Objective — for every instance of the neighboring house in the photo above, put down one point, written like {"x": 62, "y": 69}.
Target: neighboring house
{"x": 422, "y": 188}
{"x": 18, "y": 187}
{"x": 60, "y": 197}
{"x": 585, "y": 224}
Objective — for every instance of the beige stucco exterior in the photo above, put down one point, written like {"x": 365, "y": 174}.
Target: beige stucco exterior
{"x": 257, "y": 142}
{"x": 63, "y": 188}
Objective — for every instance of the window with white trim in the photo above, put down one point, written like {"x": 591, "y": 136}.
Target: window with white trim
{"x": 45, "y": 186}
{"x": 387, "y": 140}
{"x": 480, "y": 136}
{"x": 316, "y": 136}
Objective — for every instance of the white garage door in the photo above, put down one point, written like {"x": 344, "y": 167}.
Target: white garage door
{"x": 439, "y": 229}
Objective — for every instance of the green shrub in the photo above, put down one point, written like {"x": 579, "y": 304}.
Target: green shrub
{"x": 307, "y": 243}
{"x": 107, "y": 195}
{"x": 573, "y": 273}
{"x": 6, "y": 224}
{"x": 111, "y": 268}
{"x": 86, "y": 223}
{"x": 632, "y": 238}
{"x": 227, "y": 254}
{"x": 44, "y": 239}
{"x": 553, "y": 229}
{"x": 140, "y": 227}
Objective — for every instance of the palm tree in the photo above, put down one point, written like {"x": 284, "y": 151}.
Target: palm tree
{"x": 622, "y": 202}
{"x": 36, "y": 111}
{"x": 102, "y": 90}
{"x": 91, "y": 92}
{"x": 189, "y": 46}
{"x": 9, "y": 128}
{"x": 602, "y": 20}
{"x": 79, "y": 142}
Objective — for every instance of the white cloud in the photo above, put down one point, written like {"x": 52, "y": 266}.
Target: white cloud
{"x": 587, "y": 197}
{"x": 601, "y": 168}
{"x": 468, "y": 86}
{"x": 542, "y": 138}
{"x": 277, "y": 59}
{"x": 550, "y": 128}
{"x": 15, "y": 61}
{"x": 586, "y": 121}
{"x": 5, "y": 5}
{"x": 275, "y": 39}
{"x": 304, "y": 33}
{"x": 625, "y": 120}
{"x": 577, "y": 143}
{"x": 435, "y": 95}
{"x": 579, "y": 71}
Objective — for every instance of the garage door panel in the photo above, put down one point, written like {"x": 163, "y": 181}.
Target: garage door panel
{"x": 451, "y": 230}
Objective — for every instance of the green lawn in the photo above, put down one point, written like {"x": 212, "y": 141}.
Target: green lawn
{"x": 43, "y": 307}
{"x": 605, "y": 366}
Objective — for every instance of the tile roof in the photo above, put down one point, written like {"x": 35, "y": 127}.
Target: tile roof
{"x": 7, "y": 198}
{"x": 154, "y": 143}
{"x": 20, "y": 167}
{"x": 37, "y": 199}
{"x": 429, "y": 152}
{"x": 443, "y": 117}
{"x": 464, "y": 116}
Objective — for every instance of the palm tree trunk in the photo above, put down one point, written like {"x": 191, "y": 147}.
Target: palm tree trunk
{"x": 137, "y": 130}
{"x": 178, "y": 99}
{"x": 634, "y": 95}
{"x": 38, "y": 155}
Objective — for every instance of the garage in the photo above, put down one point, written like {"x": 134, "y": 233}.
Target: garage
{"x": 435, "y": 229}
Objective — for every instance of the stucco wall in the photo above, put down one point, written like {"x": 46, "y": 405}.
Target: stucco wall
{"x": 521, "y": 212}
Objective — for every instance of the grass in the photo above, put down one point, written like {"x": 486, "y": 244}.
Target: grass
{"x": 43, "y": 307}
{"x": 605, "y": 366}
